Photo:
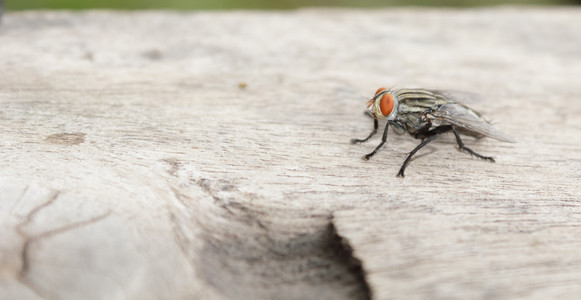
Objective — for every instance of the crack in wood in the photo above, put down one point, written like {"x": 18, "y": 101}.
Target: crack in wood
{"x": 245, "y": 253}
{"x": 354, "y": 264}
{"x": 318, "y": 262}
{"x": 30, "y": 239}
{"x": 34, "y": 211}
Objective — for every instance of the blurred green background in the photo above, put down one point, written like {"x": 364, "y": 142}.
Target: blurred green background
{"x": 256, "y": 4}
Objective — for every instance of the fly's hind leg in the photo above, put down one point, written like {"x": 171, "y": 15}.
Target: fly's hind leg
{"x": 468, "y": 150}
{"x": 430, "y": 136}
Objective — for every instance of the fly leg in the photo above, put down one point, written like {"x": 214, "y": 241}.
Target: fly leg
{"x": 383, "y": 139}
{"x": 468, "y": 150}
{"x": 432, "y": 135}
{"x": 375, "y": 126}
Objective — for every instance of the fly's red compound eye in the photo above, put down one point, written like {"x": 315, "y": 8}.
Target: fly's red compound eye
{"x": 386, "y": 104}
{"x": 381, "y": 89}
{"x": 372, "y": 100}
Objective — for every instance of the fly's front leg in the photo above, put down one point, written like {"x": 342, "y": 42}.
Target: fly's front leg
{"x": 468, "y": 150}
{"x": 375, "y": 126}
{"x": 383, "y": 139}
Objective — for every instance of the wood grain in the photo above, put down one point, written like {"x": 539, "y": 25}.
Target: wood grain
{"x": 206, "y": 155}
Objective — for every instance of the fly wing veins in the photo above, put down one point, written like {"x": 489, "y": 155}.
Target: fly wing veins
{"x": 462, "y": 116}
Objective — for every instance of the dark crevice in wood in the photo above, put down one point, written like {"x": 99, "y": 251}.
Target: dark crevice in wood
{"x": 255, "y": 252}
{"x": 305, "y": 266}
{"x": 345, "y": 254}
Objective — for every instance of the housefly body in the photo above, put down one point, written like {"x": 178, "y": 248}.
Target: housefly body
{"x": 426, "y": 114}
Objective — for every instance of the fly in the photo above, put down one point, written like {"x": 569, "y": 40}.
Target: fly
{"x": 426, "y": 114}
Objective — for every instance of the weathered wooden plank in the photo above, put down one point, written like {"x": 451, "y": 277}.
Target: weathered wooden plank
{"x": 206, "y": 155}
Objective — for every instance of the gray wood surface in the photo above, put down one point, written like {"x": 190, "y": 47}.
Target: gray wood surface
{"x": 206, "y": 155}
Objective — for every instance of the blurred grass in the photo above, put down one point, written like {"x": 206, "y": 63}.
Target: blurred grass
{"x": 255, "y": 4}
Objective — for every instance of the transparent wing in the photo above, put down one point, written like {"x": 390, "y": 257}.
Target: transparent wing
{"x": 462, "y": 116}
